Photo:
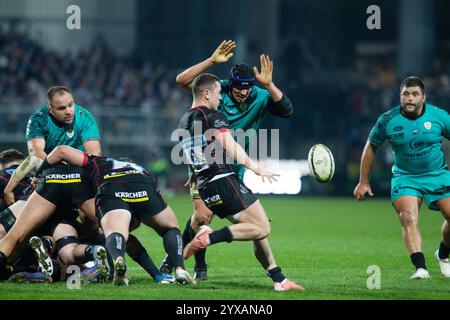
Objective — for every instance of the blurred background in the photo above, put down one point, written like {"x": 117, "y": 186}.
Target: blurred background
{"x": 121, "y": 65}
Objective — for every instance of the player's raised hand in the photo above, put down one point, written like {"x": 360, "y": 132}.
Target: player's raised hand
{"x": 223, "y": 52}
{"x": 361, "y": 190}
{"x": 265, "y": 76}
{"x": 266, "y": 174}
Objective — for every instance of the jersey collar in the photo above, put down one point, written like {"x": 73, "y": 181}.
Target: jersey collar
{"x": 413, "y": 117}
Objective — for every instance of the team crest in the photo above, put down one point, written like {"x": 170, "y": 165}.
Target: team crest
{"x": 70, "y": 133}
{"x": 427, "y": 125}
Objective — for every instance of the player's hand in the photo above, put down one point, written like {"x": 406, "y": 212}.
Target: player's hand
{"x": 34, "y": 181}
{"x": 223, "y": 52}
{"x": 265, "y": 76}
{"x": 9, "y": 196}
{"x": 266, "y": 174}
{"x": 361, "y": 190}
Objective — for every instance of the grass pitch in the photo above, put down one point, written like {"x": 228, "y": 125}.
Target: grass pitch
{"x": 324, "y": 244}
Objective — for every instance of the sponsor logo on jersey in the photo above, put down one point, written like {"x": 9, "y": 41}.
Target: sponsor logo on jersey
{"x": 427, "y": 125}
{"x": 63, "y": 178}
{"x": 399, "y": 135}
{"x": 398, "y": 128}
{"x": 219, "y": 123}
{"x": 116, "y": 174}
{"x": 138, "y": 196}
{"x": 416, "y": 144}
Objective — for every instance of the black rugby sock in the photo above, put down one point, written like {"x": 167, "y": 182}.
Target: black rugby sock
{"x": 276, "y": 274}
{"x": 444, "y": 251}
{"x": 137, "y": 252}
{"x": 418, "y": 260}
{"x": 200, "y": 259}
{"x": 89, "y": 253}
{"x": 221, "y": 235}
{"x": 116, "y": 245}
{"x": 188, "y": 233}
{"x": 173, "y": 244}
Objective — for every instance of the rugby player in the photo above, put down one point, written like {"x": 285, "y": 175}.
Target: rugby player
{"x": 245, "y": 106}
{"x": 61, "y": 121}
{"x": 414, "y": 130}
{"x": 219, "y": 187}
{"x": 126, "y": 190}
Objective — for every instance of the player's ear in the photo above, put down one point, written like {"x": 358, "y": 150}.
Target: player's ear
{"x": 49, "y": 107}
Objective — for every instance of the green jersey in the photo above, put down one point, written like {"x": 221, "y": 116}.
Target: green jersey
{"x": 416, "y": 144}
{"x": 42, "y": 125}
{"x": 247, "y": 115}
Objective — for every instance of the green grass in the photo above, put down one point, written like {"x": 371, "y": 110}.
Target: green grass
{"x": 325, "y": 244}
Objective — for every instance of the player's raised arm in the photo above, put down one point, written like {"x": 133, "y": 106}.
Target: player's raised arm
{"x": 222, "y": 54}
{"x": 367, "y": 160}
{"x": 280, "y": 105}
{"x": 237, "y": 153}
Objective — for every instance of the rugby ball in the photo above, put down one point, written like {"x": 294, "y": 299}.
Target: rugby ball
{"x": 321, "y": 163}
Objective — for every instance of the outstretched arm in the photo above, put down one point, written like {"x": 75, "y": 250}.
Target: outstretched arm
{"x": 280, "y": 105}
{"x": 220, "y": 55}
{"x": 63, "y": 153}
{"x": 237, "y": 153}
{"x": 367, "y": 161}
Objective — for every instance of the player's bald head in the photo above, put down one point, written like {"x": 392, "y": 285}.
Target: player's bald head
{"x": 57, "y": 91}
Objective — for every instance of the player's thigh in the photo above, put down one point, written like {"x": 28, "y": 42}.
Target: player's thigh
{"x": 162, "y": 221}
{"x": 17, "y": 207}
{"x": 64, "y": 230}
{"x": 255, "y": 214}
{"x": 88, "y": 208}
{"x": 444, "y": 207}
{"x": 117, "y": 220}
{"x": 35, "y": 212}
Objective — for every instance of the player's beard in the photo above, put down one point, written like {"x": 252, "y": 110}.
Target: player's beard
{"x": 414, "y": 111}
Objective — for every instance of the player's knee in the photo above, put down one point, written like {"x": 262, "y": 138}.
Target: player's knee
{"x": 64, "y": 249}
{"x": 408, "y": 218}
{"x": 264, "y": 231}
